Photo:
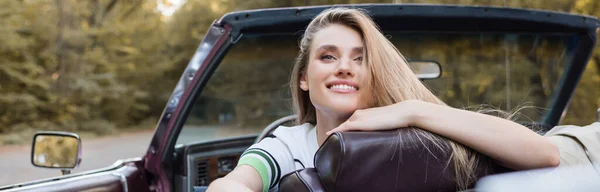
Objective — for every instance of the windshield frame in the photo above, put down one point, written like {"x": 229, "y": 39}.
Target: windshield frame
{"x": 570, "y": 78}
{"x": 160, "y": 156}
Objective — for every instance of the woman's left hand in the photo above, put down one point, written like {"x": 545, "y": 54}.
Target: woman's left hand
{"x": 394, "y": 116}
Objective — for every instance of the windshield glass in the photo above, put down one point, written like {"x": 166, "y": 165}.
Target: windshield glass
{"x": 249, "y": 89}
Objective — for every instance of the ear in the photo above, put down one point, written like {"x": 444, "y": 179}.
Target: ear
{"x": 303, "y": 82}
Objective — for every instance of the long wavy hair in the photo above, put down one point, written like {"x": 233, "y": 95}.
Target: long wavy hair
{"x": 390, "y": 80}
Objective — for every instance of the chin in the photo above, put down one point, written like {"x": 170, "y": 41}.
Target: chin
{"x": 345, "y": 111}
{"x": 337, "y": 109}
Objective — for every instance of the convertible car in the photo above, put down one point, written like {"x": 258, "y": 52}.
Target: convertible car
{"x": 233, "y": 93}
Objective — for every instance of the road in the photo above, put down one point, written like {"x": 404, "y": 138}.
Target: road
{"x": 15, "y": 163}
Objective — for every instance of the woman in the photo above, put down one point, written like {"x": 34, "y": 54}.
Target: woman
{"x": 348, "y": 76}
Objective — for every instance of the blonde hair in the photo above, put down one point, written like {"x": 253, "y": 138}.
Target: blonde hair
{"x": 390, "y": 78}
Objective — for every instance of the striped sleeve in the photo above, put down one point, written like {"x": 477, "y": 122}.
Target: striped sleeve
{"x": 271, "y": 159}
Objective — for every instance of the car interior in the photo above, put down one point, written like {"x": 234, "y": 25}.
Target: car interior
{"x": 201, "y": 162}
{"x": 493, "y": 56}
{"x": 413, "y": 160}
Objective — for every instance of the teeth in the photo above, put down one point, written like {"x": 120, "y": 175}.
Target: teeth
{"x": 343, "y": 87}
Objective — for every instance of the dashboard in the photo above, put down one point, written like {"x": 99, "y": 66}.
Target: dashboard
{"x": 211, "y": 168}
{"x": 205, "y": 162}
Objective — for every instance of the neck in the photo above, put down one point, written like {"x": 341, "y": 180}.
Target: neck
{"x": 325, "y": 123}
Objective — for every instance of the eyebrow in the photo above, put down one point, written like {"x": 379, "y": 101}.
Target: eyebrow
{"x": 327, "y": 48}
{"x": 334, "y": 48}
{"x": 357, "y": 50}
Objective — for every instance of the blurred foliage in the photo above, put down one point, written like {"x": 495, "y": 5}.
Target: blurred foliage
{"x": 506, "y": 71}
{"x": 55, "y": 151}
{"x": 104, "y": 65}
{"x": 81, "y": 65}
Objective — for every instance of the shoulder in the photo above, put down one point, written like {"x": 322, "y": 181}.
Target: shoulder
{"x": 272, "y": 157}
{"x": 573, "y": 130}
{"x": 283, "y": 137}
{"x": 285, "y": 133}
{"x": 577, "y": 144}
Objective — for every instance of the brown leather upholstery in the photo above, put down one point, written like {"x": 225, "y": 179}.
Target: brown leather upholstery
{"x": 396, "y": 160}
{"x": 302, "y": 180}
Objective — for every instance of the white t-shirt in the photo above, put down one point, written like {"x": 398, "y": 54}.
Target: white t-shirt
{"x": 286, "y": 150}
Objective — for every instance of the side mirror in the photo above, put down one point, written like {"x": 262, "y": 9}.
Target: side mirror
{"x": 57, "y": 150}
{"x": 426, "y": 69}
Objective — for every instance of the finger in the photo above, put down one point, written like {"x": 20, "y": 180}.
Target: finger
{"x": 332, "y": 131}
{"x": 340, "y": 128}
{"x": 347, "y": 126}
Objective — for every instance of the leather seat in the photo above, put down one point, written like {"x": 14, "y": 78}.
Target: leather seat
{"x": 395, "y": 160}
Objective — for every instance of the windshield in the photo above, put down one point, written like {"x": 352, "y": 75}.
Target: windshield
{"x": 249, "y": 89}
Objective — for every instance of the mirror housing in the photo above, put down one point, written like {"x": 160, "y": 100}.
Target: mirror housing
{"x": 57, "y": 150}
{"x": 426, "y": 69}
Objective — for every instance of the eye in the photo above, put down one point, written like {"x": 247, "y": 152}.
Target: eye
{"x": 359, "y": 59}
{"x": 326, "y": 57}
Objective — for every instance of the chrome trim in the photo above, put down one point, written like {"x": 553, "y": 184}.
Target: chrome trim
{"x": 123, "y": 181}
{"x": 21, "y": 186}
{"x": 62, "y": 181}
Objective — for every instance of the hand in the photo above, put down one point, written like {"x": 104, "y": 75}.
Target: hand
{"x": 394, "y": 116}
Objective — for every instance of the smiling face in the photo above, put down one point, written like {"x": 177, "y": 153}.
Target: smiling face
{"x": 335, "y": 71}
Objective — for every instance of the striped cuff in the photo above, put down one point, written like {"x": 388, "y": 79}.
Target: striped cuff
{"x": 265, "y": 165}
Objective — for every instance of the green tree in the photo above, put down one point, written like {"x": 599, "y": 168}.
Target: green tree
{"x": 103, "y": 65}
{"x": 80, "y": 65}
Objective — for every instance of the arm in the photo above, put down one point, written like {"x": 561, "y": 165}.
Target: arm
{"x": 513, "y": 145}
{"x": 243, "y": 178}
{"x": 258, "y": 169}
{"x": 509, "y": 143}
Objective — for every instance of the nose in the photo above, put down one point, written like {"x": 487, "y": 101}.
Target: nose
{"x": 345, "y": 68}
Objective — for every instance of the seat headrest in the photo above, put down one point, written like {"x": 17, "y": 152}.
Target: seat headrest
{"x": 395, "y": 160}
